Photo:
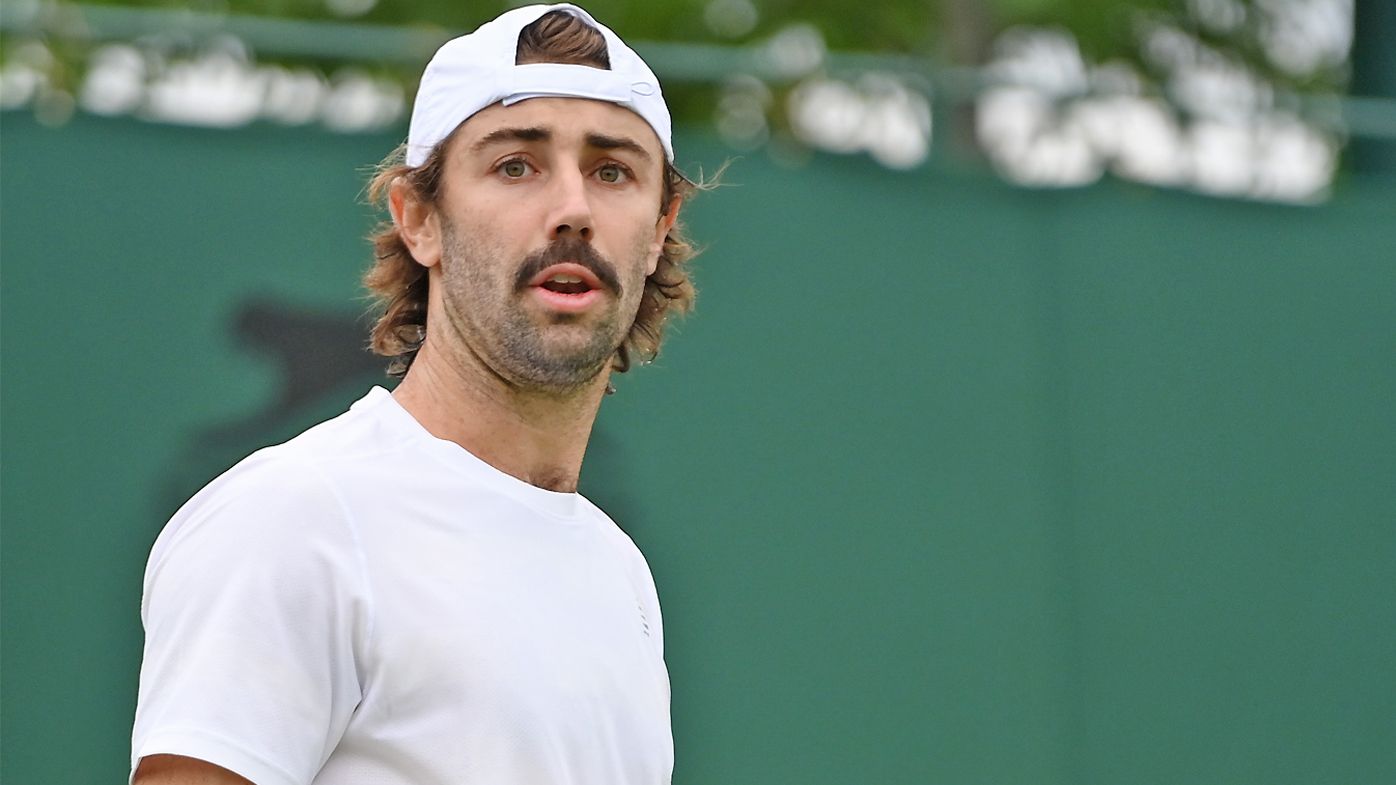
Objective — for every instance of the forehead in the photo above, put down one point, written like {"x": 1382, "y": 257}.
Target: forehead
{"x": 570, "y": 121}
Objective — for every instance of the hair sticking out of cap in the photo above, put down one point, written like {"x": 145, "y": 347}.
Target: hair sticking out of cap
{"x": 560, "y": 37}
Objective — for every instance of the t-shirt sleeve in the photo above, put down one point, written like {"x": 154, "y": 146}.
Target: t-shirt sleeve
{"x": 256, "y": 614}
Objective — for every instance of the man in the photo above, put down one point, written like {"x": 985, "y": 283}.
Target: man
{"x": 413, "y": 592}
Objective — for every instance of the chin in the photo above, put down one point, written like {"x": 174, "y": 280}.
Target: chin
{"x": 566, "y": 370}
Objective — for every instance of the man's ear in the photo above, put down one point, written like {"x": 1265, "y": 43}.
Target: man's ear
{"x": 661, "y": 230}
{"x": 417, "y": 222}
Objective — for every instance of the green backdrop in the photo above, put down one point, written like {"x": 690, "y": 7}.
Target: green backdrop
{"x": 944, "y": 482}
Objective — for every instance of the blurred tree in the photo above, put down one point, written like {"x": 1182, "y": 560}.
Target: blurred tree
{"x": 1189, "y": 55}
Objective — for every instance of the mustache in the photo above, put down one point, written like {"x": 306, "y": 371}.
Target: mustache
{"x": 568, "y": 250}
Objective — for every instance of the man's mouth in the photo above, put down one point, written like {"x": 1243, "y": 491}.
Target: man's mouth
{"x": 567, "y": 287}
{"x": 566, "y": 284}
{"x": 568, "y": 267}
{"x": 566, "y": 278}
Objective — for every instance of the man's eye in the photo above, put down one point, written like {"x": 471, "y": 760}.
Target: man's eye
{"x": 514, "y": 168}
{"x": 611, "y": 173}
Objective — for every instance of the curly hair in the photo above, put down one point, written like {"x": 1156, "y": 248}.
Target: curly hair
{"x": 398, "y": 283}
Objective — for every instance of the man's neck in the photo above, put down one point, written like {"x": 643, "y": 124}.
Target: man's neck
{"x": 538, "y": 437}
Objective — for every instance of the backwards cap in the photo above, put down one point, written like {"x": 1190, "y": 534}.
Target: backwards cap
{"x": 477, "y": 70}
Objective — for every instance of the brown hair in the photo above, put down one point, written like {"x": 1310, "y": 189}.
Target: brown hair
{"x": 399, "y": 284}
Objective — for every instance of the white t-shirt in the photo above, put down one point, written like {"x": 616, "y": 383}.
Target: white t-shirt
{"x": 369, "y": 604}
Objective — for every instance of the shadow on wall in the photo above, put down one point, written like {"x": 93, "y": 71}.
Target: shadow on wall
{"x": 322, "y": 365}
{"x": 316, "y": 355}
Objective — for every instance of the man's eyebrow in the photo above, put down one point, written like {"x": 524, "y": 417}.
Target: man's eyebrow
{"x": 617, "y": 143}
{"x": 511, "y": 135}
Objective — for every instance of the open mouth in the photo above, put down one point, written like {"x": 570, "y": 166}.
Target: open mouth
{"x": 567, "y": 278}
{"x": 564, "y": 283}
{"x": 567, "y": 288}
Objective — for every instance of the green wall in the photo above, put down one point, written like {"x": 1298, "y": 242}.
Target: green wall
{"x": 944, "y": 482}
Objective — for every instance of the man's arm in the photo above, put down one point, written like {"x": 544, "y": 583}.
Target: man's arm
{"x": 253, "y": 606}
{"x": 179, "y": 770}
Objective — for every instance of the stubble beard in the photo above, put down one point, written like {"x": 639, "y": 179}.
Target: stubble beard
{"x": 486, "y": 309}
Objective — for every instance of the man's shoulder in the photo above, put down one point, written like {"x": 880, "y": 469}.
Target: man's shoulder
{"x": 618, "y": 537}
{"x": 275, "y": 492}
{"x": 361, "y": 432}
{"x": 306, "y": 474}
{"x": 337, "y": 449}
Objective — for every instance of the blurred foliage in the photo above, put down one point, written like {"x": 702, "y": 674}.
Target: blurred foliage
{"x": 937, "y": 37}
{"x": 902, "y": 26}
{"x": 951, "y": 32}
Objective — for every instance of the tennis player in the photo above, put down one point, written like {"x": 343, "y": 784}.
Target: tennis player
{"x": 414, "y": 592}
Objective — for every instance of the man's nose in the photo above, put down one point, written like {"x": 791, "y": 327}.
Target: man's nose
{"x": 571, "y": 216}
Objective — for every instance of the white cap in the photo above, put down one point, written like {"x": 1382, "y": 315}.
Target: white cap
{"x": 477, "y": 70}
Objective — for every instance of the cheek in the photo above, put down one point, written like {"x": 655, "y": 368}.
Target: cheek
{"x": 653, "y": 244}
{"x": 646, "y": 243}
{"x": 644, "y": 254}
